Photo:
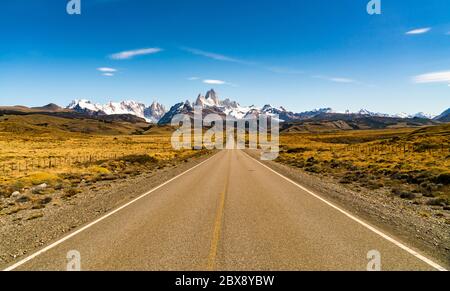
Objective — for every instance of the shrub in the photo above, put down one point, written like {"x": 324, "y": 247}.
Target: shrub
{"x": 437, "y": 202}
{"x": 71, "y": 192}
{"x": 298, "y": 150}
{"x": 41, "y": 178}
{"x": 443, "y": 179}
{"x": 140, "y": 159}
{"x": 408, "y": 195}
{"x": 99, "y": 170}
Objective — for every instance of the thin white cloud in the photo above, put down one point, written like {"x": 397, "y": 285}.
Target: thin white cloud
{"x": 214, "y": 82}
{"x": 342, "y": 80}
{"x": 108, "y": 74}
{"x": 215, "y": 56}
{"x": 193, "y": 78}
{"x": 433, "y": 77}
{"x": 337, "y": 79}
{"x": 224, "y": 58}
{"x": 107, "y": 70}
{"x": 218, "y": 82}
{"x": 419, "y": 31}
{"x": 125, "y": 55}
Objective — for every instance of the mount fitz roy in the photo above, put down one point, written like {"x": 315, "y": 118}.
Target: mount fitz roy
{"x": 211, "y": 104}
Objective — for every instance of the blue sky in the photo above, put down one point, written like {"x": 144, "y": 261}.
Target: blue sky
{"x": 295, "y": 53}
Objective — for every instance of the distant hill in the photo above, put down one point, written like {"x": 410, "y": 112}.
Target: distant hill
{"x": 49, "y": 108}
{"x": 339, "y": 122}
{"x": 56, "y": 111}
{"x": 54, "y": 119}
{"x": 444, "y": 117}
{"x": 43, "y": 124}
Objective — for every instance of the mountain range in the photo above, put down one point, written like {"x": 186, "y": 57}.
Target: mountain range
{"x": 211, "y": 103}
{"x": 151, "y": 114}
{"x": 156, "y": 113}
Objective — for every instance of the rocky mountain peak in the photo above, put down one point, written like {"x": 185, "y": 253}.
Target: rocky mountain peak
{"x": 151, "y": 114}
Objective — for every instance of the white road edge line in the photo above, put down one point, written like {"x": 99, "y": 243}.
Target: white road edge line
{"x": 49, "y": 247}
{"x": 373, "y": 229}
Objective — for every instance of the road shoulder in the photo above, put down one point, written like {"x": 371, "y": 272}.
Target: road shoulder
{"x": 395, "y": 216}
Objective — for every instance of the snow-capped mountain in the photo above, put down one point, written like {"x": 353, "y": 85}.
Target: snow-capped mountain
{"x": 211, "y": 99}
{"x": 424, "y": 115}
{"x": 365, "y": 112}
{"x": 229, "y": 108}
{"x": 212, "y": 104}
{"x": 155, "y": 112}
{"x": 180, "y": 108}
{"x": 151, "y": 114}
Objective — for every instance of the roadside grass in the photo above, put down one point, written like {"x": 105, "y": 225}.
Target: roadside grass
{"x": 412, "y": 164}
{"x": 41, "y": 169}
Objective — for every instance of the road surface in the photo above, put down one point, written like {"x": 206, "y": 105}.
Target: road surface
{"x": 229, "y": 213}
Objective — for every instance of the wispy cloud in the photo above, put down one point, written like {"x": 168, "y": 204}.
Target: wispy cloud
{"x": 214, "y": 82}
{"x": 336, "y": 79}
{"x": 107, "y": 70}
{"x": 433, "y": 77}
{"x": 342, "y": 80}
{"x": 419, "y": 31}
{"x": 218, "y": 82}
{"x": 134, "y": 53}
{"x": 273, "y": 69}
{"x": 225, "y": 58}
{"x": 215, "y": 56}
{"x": 193, "y": 78}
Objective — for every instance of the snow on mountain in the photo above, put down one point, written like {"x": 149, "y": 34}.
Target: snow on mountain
{"x": 151, "y": 114}
{"x": 212, "y": 104}
{"x": 366, "y": 112}
{"x": 155, "y": 112}
{"x": 369, "y": 113}
{"x": 232, "y": 109}
{"x": 84, "y": 105}
{"x": 424, "y": 115}
{"x": 180, "y": 108}
{"x": 211, "y": 99}
{"x": 229, "y": 108}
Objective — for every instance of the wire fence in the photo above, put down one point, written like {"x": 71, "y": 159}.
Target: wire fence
{"x": 399, "y": 149}
{"x": 30, "y": 164}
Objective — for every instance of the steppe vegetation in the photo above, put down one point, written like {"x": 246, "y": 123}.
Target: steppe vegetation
{"x": 43, "y": 160}
{"x": 408, "y": 163}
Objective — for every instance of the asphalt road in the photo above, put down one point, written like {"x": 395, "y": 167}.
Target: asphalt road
{"x": 229, "y": 213}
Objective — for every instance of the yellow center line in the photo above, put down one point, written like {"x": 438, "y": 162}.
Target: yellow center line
{"x": 218, "y": 223}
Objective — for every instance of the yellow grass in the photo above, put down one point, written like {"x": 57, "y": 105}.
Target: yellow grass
{"x": 411, "y": 160}
{"x": 33, "y": 159}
